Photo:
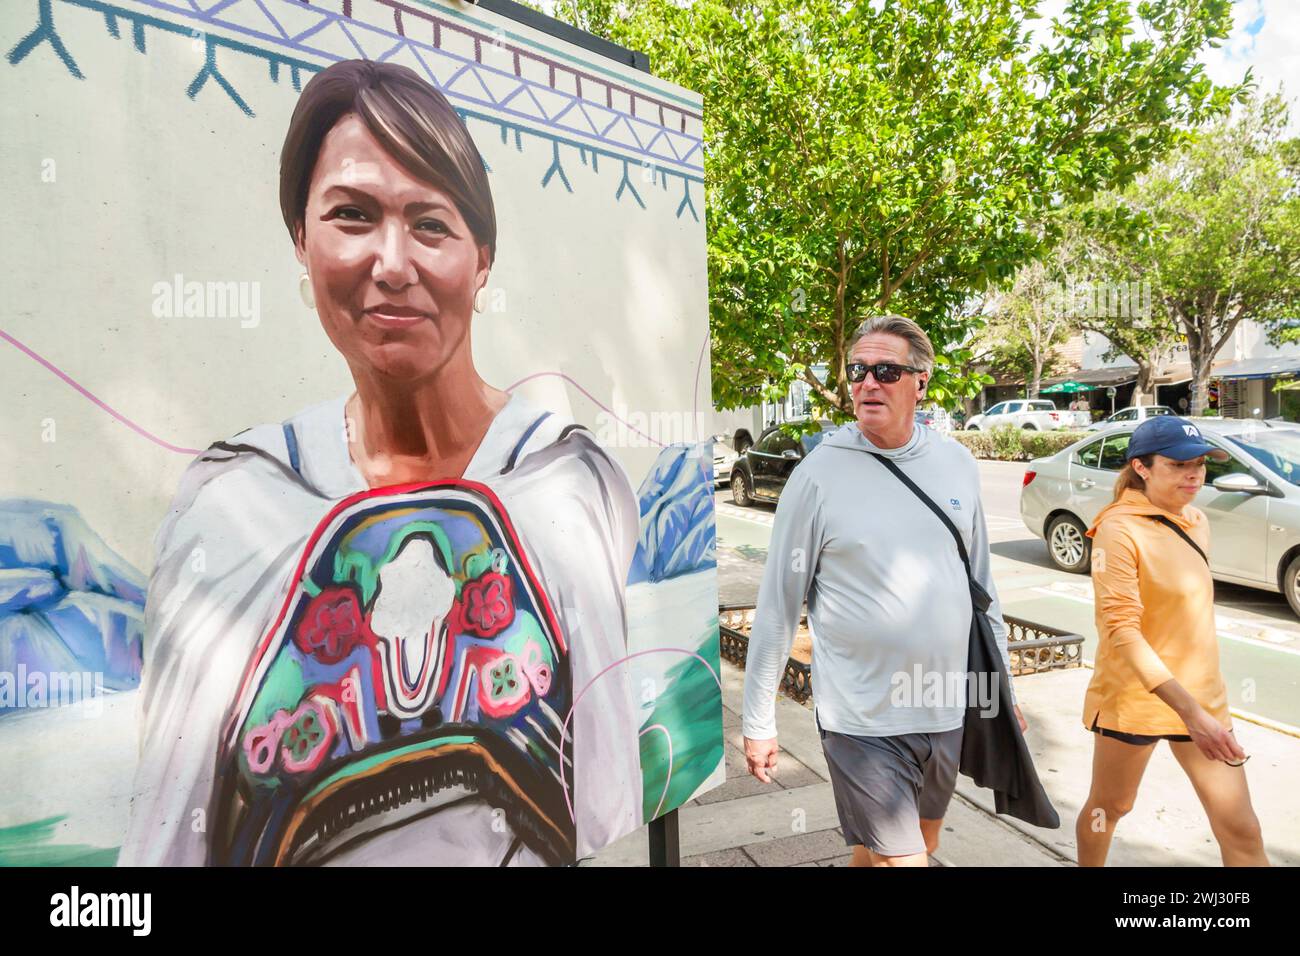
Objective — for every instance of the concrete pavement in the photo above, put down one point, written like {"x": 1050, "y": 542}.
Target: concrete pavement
{"x": 793, "y": 822}
{"x": 1259, "y": 635}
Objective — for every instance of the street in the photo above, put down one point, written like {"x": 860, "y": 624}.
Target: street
{"x": 1259, "y": 635}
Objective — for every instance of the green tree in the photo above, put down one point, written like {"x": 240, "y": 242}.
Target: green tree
{"x": 867, "y": 156}
{"x": 1030, "y": 319}
{"x": 1225, "y": 242}
{"x": 1103, "y": 252}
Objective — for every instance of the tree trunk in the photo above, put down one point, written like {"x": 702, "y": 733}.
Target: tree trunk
{"x": 1036, "y": 382}
{"x": 1200, "y": 389}
{"x": 1205, "y": 337}
{"x": 1200, "y": 351}
{"x": 1144, "y": 392}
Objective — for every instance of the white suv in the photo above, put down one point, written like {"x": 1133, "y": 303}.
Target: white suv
{"x": 1134, "y": 413}
{"x": 1033, "y": 414}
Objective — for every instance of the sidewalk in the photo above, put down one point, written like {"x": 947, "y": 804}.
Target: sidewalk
{"x": 793, "y": 822}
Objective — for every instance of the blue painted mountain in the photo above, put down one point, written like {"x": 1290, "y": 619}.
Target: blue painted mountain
{"x": 68, "y": 602}
{"x": 678, "y": 533}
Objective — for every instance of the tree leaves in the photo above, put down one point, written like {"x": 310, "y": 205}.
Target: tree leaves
{"x": 894, "y": 155}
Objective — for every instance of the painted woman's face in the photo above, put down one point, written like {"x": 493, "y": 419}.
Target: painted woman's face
{"x": 393, "y": 266}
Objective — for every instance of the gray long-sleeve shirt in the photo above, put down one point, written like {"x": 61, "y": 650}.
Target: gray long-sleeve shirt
{"x": 889, "y": 606}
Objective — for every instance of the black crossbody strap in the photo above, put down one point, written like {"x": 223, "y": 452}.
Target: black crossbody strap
{"x": 929, "y": 503}
{"x": 1181, "y": 533}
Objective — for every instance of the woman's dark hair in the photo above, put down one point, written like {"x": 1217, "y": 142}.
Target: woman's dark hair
{"x": 413, "y": 122}
{"x": 1129, "y": 478}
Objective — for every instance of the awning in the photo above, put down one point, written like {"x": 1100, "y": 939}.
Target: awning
{"x": 1067, "y": 387}
{"x": 1175, "y": 374}
{"x": 1106, "y": 377}
{"x": 1006, "y": 379}
{"x": 1276, "y": 367}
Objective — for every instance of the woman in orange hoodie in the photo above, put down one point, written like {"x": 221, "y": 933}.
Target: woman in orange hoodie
{"x": 1156, "y": 675}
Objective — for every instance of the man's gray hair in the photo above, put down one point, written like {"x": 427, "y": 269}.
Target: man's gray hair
{"x": 919, "y": 350}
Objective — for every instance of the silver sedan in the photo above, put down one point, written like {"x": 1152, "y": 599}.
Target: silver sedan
{"x": 1252, "y": 500}
{"x": 724, "y": 458}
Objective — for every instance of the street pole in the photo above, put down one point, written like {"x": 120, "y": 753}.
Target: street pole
{"x": 665, "y": 842}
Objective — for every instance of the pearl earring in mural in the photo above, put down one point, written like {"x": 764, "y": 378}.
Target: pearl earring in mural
{"x": 304, "y": 290}
{"x": 480, "y": 298}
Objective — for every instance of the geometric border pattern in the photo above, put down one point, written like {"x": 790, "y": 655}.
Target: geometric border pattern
{"x": 526, "y": 95}
{"x": 469, "y": 66}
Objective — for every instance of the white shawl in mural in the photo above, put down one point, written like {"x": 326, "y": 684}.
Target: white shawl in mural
{"x": 420, "y": 711}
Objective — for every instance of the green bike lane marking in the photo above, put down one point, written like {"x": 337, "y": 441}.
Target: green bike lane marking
{"x": 1251, "y": 668}
{"x": 1258, "y": 679}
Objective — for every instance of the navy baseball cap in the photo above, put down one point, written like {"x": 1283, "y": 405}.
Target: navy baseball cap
{"x": 1173, "y": 437}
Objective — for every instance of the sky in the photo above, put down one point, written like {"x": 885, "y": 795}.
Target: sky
{"x": 1265, "y": 36}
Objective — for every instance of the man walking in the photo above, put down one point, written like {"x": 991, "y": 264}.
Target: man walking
{"x": 889, "y": 605}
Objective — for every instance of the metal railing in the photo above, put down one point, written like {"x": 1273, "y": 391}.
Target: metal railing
{"x": 1032, "y": 648}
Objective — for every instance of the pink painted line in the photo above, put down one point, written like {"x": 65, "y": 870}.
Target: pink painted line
{"x": 667, "y": 783}
{"x": 163, "y": 443}
{"x": 695, "y": 393}
{"x": 88, "y": 394}
{"x": 705, "y": 470}
{"x": 594, "y": 399}
{"x": 564, "y": 731}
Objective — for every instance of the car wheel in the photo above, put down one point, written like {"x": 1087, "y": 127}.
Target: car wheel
{"x": 1291, "y": 585}
{"x": 1069, "y": 545}
{"x": 1030, "y": 428}
{"x": 972, "y": 428}
{"x": 740, "y": 490}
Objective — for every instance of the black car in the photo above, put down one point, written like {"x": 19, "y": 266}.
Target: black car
{"x": 762, "y": 471}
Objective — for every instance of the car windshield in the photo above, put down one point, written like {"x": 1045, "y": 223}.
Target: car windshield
{"x": 1278, "y": 449}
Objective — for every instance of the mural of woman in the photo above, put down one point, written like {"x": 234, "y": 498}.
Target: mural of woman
{"x": 369, "y": 628}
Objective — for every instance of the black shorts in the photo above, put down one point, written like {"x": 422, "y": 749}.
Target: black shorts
{"x": 1138, "y": 740}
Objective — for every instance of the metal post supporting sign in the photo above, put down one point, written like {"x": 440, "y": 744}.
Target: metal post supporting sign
{"x": 665, "y": 842}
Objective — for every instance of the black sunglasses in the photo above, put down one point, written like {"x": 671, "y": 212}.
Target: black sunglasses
{"x": 886, "y": 372}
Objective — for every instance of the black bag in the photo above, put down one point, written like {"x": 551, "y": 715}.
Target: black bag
{"x": 993, "y": 750}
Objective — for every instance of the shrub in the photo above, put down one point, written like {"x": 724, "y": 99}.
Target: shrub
{"x": 1041, "y": 444}
{"x": 979, "y": 443}
{"x": 1008, "y": 443}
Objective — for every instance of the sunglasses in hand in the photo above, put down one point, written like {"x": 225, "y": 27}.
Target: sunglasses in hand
{"x": 886, "y": 373}
{"x": 1236, "y": 763}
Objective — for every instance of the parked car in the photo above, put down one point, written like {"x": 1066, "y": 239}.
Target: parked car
{"x": 763, "y": 469}
{"x": 935, "y": 418}
{"x": 1033, "y": 414}
{"x": 1252, "y": 500}
{"x": 1134, "y": 414}
{"x": 724, "y": 459}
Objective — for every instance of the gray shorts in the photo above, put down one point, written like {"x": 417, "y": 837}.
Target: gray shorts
{"x": 885, "y": 786}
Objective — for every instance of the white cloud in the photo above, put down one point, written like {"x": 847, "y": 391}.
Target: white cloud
{"x": 1265, "y": 37}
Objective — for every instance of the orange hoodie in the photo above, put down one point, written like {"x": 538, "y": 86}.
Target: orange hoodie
{"x": 1155, "y": 619}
